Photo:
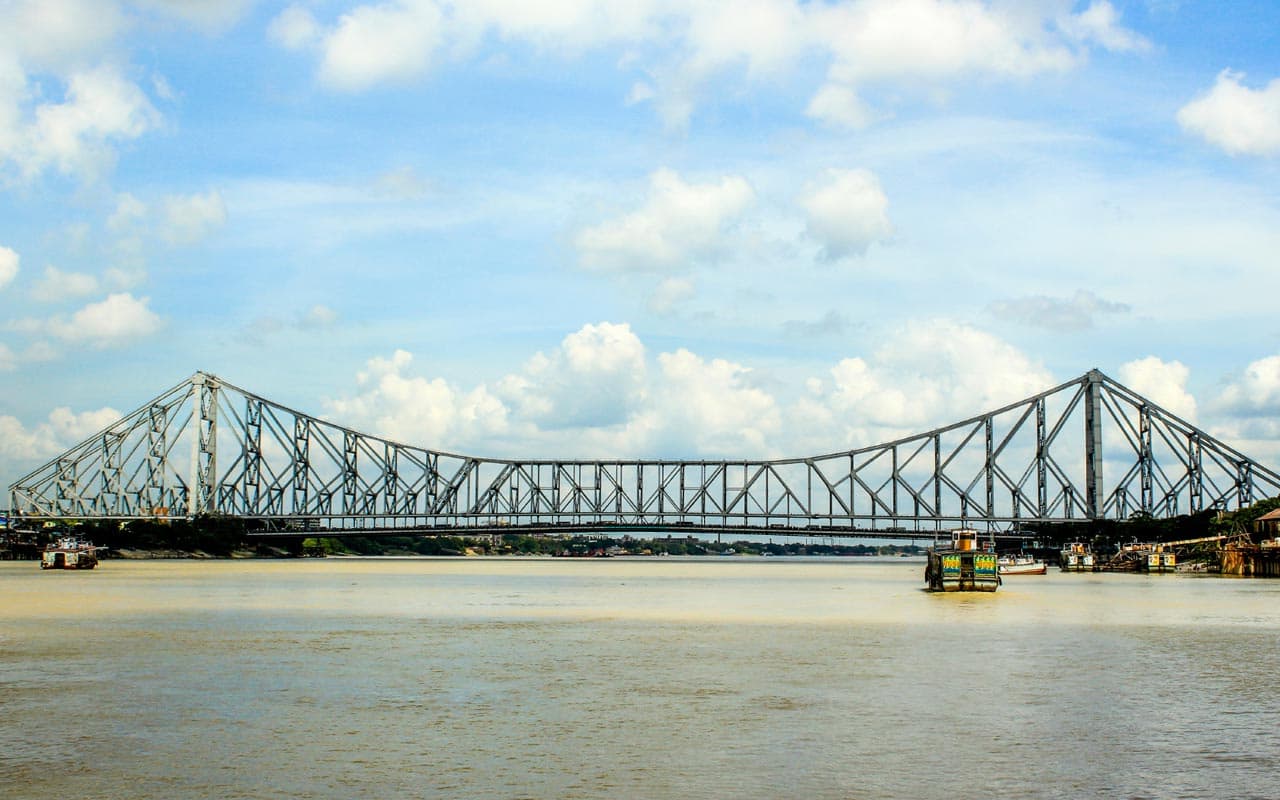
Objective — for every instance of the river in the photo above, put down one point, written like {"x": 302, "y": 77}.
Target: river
{"x": 631, "y": 678}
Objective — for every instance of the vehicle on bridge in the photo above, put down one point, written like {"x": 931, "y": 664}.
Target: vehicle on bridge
{"x": 965, "y": 566}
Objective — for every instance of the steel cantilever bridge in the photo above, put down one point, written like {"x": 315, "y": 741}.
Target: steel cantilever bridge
{"x": 1085, "y": 450}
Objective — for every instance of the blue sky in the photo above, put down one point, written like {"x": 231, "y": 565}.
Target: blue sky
{"x": 663, "y": 228}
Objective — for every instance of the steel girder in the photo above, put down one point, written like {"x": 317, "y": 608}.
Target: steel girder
{"x": 1087, "y": 449}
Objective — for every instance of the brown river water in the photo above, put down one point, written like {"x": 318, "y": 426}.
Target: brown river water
{"x": 631, "y": 678}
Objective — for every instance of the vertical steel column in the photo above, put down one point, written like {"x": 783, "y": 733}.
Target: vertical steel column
{"x": 1042, "y": 484}
{"x": 1093, "y": 488}
{"x": 1244, "y": 483}
{"x": 157, "y": 447}
{"x": 390, "y": 477}
{"x": 937, "y": 475}
{"x": 1195, "y": 472}
{"x": 991, "y": 475}
{"x": 1144, "y": 458}
{"x": 251, "y": 491}
{"x": 66, "y": 488}
{"x": 301, "y": 464}
{"x": 350, "y": 472}
{"x": 204, "y": 456}
{"x": 110, "y": 500}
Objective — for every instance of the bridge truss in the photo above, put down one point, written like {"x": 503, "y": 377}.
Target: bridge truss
{"x": 1087, "y": 449}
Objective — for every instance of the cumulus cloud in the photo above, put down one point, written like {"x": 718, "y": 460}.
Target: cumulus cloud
{"x": 841, "y": 107}
{"x": 209, "y": 15}
{"x": 593, "y": 379}
{"x": 8, "y": 266}
{"x": 59, "y": 34}
{"x": 374, "y": 44}
{"x": 600, "y": 393}
{"x": 1076, "y": 313}
{"x": 1256, "y": 392}
{"x": 1163, "y": 383}
{"x": 1240, "y": 120}
{"x": 118, "y": 319}
{"x": 55, "y": 435}
{"x": 56, "y": 285}
{"x": 294, "y": 28}
{"x": 100, "y": 105}
{"x": 190, "y": 218}
{"x": 1100, "y": 23}
{"x": 681, "y": 47}
{"x": 847, "y": 213}
{"x": 680, "y": 224}
{"x": 417, "y": 410}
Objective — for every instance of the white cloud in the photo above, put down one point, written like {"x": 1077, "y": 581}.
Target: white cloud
{"x": 847, "y": 213}
{"x": 190, "y": 218}
{"x": 7, "y": 361}
{"x": 841, "y": 107}
{"x": 389, "y": 42}
{"x": 1076, "y": 313}
{"x": 418, "y": 411}
{"x": 56, "y": 285}
{"x": 670, "y": 293}
{"x": 60, "y": 431}
{"x": 129, "y": 211}
{"x": 8, "y": 266}
{"x": 712, "y": 407}
{"x": 678, "y": 225}
{"x": 683, "y": 46}
{"x": 935, "y": 40}
{"x": 59, "y": 34}
{"x": 595, "y": 378}
{"x": 294, "y": 28}
{"x": 1099, "y": 23}
{"x": 1255, "y": 393}
{"x": 100, "y": 105}
{"x": 600, "y": 394}
{"x": 1163, "y": 383}
{"x": 210, "y": 15}
{"x": 118, "y": 319}
{"x": 928, "y": 373}
{"x": 1240, "y": 120}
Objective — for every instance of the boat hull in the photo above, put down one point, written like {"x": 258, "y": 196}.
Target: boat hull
{"x": 1035, "y": 568}
{"x": 962, "y": 571}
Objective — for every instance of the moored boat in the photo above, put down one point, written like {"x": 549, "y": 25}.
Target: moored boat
{"x": 70, "y": 552}
{"x": 963, "y": 567}
{"x": 1021, "y": 565}
{"x": 1077, "y": 557}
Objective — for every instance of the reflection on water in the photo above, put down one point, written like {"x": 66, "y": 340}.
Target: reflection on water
{"x": 754, "y": 678}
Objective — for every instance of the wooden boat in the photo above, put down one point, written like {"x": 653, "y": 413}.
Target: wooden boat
{"x": 962, "y": 567}
{"x": 1021, "y": 565}
{"x": 1077, "y": 557}
{"x": 70, "y": 552}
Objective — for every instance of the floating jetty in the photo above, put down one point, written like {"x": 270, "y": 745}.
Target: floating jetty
{"x": 964, "y": 566}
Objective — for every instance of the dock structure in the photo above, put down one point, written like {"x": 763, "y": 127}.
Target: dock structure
{"x": 1252, "y": 560}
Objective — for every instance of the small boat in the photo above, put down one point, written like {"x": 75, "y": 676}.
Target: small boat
{"x": 70, "y": 552}
{"x": 962, "y": 567}
{"x": 1021, "y": 565}
{"x": 1077, "y": 557}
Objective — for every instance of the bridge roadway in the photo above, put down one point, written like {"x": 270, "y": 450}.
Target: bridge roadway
{"x": 638, "y": 530}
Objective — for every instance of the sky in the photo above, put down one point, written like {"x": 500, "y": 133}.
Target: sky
{"x": 578, "y": 229}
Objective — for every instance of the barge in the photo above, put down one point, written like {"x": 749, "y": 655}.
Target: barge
{"x": 965, "y": 566}
{"x": 70, "y": 552}
{"x": 1077, "y": 557}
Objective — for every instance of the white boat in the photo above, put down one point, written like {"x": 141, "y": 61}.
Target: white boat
{"x": 1021, "y": 565}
